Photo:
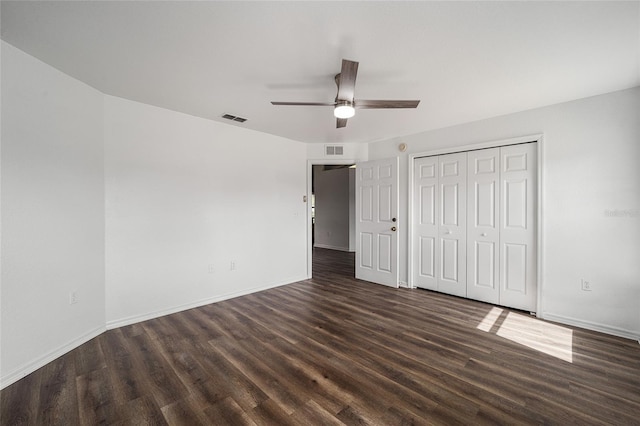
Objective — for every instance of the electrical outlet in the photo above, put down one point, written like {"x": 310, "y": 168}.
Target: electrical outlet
{"x": 232, "y": 267}
{"x": 586, "y": 285}
{"x": 211, "y": 269}
{"x": 73, "y": 298}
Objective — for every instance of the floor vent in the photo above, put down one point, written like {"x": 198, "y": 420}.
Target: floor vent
{"x": 334, "y": 150}
{"x": 234, "y": 118}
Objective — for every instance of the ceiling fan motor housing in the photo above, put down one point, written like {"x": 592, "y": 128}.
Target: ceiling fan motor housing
{"x": 344, "y": 109}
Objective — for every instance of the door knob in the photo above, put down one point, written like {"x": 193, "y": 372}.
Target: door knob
{"x": 448, "y": 232}
{"x": 484, "y": 234}
{"x": 393, "y": 228}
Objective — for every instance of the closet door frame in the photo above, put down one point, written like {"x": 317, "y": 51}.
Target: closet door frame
{"x": 537, "y": 138}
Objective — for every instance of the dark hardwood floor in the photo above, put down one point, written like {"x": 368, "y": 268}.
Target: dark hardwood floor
{"x": 334, "y": 350}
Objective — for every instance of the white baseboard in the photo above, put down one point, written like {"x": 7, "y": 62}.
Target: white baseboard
{"x": 602, "y": 328}
{"x": 330, "y": 247}
{"x": 121, "y": 322}
{"x": 31, "y": 366}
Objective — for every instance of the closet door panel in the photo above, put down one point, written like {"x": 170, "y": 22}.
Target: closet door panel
{"x": 483, "y": 234}
{"x": 452, "y": 184}
{"x": 518, "y": 251}
{"x": 426, "y": 213}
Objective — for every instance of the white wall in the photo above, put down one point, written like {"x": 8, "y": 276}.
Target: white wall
{"x": 591, "y": 202}
{"x": 332, "y": 220}
{"x": 52, "y": 214}
{"x": 183, "y": 193}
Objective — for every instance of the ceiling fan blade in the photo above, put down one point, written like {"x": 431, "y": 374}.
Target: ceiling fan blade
{"x": 347, "y": 81}
{"x": 341, "y": 122}
{"x": 304, "y": 103}
{"x": 371, "y": 104}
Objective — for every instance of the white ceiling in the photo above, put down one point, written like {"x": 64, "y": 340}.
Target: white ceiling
{"x": 464, "y": 60}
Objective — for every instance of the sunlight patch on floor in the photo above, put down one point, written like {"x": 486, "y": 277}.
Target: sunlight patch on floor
{"x": 489, "y": 319}
{"x": 541, "y": 336}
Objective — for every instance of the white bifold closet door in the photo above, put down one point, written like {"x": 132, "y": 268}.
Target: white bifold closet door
{"x": 474, "y": 225}
{"x": 441, "y": 223}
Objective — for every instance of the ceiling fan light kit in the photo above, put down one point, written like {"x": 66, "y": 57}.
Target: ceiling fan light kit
{"x": 344, "y": 109}
{"x": 345, "y": 103}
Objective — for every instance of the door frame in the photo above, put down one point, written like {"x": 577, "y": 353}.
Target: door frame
{"x": 310, "y": 164}
{"x": 539, "y": 139}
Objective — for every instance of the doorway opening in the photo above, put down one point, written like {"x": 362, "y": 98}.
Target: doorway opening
{"x": 331, "y": 231}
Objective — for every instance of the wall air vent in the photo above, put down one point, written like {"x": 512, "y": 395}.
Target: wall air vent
{"x": 334, "y": 150}
{"x": 234, "y": 118}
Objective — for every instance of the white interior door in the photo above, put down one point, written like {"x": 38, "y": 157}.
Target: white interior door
{"x": 426, "y": 213}
{"x": 483, "y": 225}
{"x": 376, "y": 223}
{"x": 518, "y": 251}
{"x": 453, "y": 224}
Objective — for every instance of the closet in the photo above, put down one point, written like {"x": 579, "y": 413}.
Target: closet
{"x": 474, "y": 224}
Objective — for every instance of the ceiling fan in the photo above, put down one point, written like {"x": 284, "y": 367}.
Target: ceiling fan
{"x": 345, "y": 104}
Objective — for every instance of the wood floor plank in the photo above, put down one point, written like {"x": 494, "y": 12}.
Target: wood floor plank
{"x": 122, "y": 378}
{"x": 195, "y": 376}
{"x": 185, "y": 412}
{"x": 142, "y": 411}
{"x": 20, "y": 402}
{"x": 228, "y": 378}
{"x": 311, "y": 410}
{"x": 90, "y": 359}
{"x": 260, "y": 374}
{"x": 228, "y": 412}
{"x": 269, "y": 413}
{"x": 58, "y": 395}
{"x": 394, "y": 416}
{"x": 336, "y": 350}
{"x": 283, "y": 359}
{"x": 96, "y": 404}
{"x": 153, "y": 372}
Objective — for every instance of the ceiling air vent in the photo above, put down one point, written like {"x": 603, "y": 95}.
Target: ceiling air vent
{"x": 234, "y": 118}
{"x": 334, "y": 150}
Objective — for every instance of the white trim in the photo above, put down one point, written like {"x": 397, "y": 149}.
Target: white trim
{"x": 537, "y": 138}
{"x": 310, "y": 164}
{"x": 594, "y": 326}
{"x": 479, "y": 145}
{"x": 43, "y": 360}
{"x": 410, "y": 166}
{"x": 539, "y": 223}
{"x": 202, "y": 302}
{"x": 330, "y": 247}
